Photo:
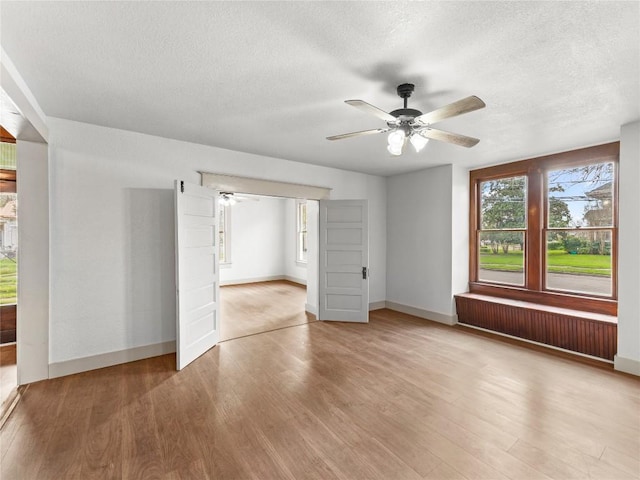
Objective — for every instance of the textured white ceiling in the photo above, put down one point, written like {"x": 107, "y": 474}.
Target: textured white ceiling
{"x": 270, "y": 77}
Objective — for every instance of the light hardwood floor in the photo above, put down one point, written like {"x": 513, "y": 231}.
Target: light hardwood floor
{"x": 398, "y": 398}
{"x": 8, "y": 375}
{"x": 253, "y": 308}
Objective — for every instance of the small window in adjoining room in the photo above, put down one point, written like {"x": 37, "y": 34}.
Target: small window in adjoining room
{"x": 224, "y": 234}
{"x": 503, "y": 228}
{"x": 301, "y": 228}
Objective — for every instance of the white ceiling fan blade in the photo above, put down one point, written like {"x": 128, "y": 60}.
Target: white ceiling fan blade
{"x": 448, "y": 137}
{"x": 357, "y": 134}
{"x": 465, "y": 105}
{"x": 368, "y": 108}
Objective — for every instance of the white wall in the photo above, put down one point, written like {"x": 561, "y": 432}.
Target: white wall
{"x": 628, "y": 357}
{"x": 112, "y": 241}
{"x": 257, "y": 241}
{"x": 33, "y": 261}
{"x": 419, "y": 243}
{"x": 459, "y": 232}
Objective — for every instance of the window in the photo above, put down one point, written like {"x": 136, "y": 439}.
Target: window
{"x": 503, "y": 228}
{"x": 224, "y": 235}
{"x": 545, "y": 229}
{"x": 301, "y": 229}
{"x": 8, "y": 224}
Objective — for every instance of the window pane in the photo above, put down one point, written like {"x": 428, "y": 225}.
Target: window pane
{"x": 8, "y": 248}
{"x": 581, "y": 196}
{"x": 579, "y": 261}
{"x": 501, "y": 257}
{"x": 503, "y": 203}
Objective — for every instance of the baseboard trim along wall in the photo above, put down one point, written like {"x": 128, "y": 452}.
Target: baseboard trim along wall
{"x": 377, "y": 305}
{"x": 311, "y": 309}
{"x": 626, "y": 365}
{"x": 419, "y": 312}
{"x": 271, "y": 278}
{"x": 78, "y": 365}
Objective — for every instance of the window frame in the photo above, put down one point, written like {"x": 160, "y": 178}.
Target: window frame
{"x": 299, "y": 232}
{"x": 534, "y": 289}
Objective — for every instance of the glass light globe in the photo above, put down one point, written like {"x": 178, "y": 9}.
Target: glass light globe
{"x": 418, "y": 141}
{"x": 394, "y": 150}
{"x": 396, "y": 138}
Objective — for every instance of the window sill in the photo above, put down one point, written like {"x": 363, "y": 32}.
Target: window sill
{"x": 225, "y": 265}
{"x": 301, "y": 264}
{"x": 552, "y": 299}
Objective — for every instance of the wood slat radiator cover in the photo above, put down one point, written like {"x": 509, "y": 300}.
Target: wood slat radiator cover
{"x": 583, "y": 335}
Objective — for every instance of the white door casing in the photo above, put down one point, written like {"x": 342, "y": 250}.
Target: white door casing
{"x": 197, "y": 283}
{"x": 344, "y": 261}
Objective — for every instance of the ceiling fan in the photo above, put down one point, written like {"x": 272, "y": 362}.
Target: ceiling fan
{"x": 410, "y": 124}
{"x": 230, "y": 198}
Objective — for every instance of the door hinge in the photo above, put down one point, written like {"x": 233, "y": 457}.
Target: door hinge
{"x": 181, "y": 186}
{"x": 365, "y": 273}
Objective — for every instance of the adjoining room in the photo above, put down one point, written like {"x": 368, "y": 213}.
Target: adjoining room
{"x": 263, "y": 263}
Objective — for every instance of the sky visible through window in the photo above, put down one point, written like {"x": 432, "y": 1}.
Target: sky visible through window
{"x": 582, "y": 190}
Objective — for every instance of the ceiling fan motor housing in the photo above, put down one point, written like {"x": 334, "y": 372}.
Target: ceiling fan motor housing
{"x": 405, "y": 115}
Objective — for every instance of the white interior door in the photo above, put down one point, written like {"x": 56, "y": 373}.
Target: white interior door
{"x": 197, "y": 286}
{"x": 344, "y": 261}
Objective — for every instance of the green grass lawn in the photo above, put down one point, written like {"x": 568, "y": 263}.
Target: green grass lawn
{"x": 8, "y": 282}
{"x": 558, "y": 261}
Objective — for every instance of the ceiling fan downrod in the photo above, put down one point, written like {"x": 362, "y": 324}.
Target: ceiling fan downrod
{"x": 405, "y": 115}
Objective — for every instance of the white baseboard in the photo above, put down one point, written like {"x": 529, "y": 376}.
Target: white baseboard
{"x": 270, "y": 278}
{"x": 78, "y": 365}
{"x": 627, "y": 365}
{"x": 300, "y": 281}
{"x": 311, "y": 309}
{"x": 419, "y": 312}
{"x": 377, "y": 305}
{"x": 241, "y": 281}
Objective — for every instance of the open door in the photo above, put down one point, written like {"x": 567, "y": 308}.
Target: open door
{"x": 197, "y": 287}
{"x": 344, "y": 261}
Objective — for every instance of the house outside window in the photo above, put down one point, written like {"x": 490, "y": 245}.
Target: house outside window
{"x": 301, "y": 231}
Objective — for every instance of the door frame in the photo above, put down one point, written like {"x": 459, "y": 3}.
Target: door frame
{"x": 257, "y": 186}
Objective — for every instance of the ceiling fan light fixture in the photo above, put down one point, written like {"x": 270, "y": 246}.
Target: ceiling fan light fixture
{"x": 394, "y": 149}
{"x": 396, "y": 139}
{"x": 418, "y": 141}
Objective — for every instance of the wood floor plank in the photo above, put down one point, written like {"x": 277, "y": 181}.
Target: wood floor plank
{"x": 398, "y": 398}
{"x": 252, "y": 308}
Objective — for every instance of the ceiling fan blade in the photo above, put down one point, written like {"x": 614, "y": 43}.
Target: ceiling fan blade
{"x": 465, "y": 105}
{"x": 357, "y": 134}
{"x": 368, "y": 108}
{"x": 449, "y": 137}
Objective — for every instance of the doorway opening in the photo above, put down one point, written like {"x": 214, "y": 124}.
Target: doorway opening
{"x": 263, "y": 264}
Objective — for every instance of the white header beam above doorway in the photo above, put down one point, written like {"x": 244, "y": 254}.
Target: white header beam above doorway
{"x": 256, "y": 186}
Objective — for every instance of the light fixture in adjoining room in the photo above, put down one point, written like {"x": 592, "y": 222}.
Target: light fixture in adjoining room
{"x": 227, "y": 199}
